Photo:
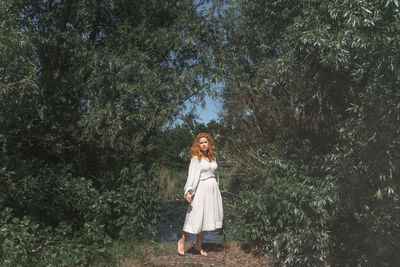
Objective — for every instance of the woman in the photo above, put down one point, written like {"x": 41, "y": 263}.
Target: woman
{"x": 202, "y": 193}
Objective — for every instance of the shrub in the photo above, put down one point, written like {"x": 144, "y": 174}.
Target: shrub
{"x": 60, "y": 220}
{"x": 286, "y": 214}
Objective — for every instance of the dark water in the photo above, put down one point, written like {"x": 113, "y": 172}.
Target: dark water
{"x": 169, "y": 227}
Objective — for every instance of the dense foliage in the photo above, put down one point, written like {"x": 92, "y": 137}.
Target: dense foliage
{"x": 89, "y": 91}
{"x": 311, "y": 99}
{"x": 85, "y": 87}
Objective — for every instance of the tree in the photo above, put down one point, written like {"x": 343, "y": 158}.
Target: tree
{"x": 310, "y": 98}
{"x": 85, "y": 87}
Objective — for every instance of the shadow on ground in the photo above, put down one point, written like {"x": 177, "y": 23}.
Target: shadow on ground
{"x": 233, "y": 254}
{"x": 209, "y": 247}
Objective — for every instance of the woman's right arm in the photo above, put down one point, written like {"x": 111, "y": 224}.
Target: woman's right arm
{"x": 193, "y": 178}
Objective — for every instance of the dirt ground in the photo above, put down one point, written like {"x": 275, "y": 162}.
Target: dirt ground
{"x": 233, "y": 254}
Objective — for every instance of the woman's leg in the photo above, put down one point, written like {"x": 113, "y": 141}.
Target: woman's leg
{"x": 199, "y": 242}
{"x": 181, "y": 243}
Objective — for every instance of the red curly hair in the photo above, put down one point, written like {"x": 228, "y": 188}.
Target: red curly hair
{"x": 196, "y": 147}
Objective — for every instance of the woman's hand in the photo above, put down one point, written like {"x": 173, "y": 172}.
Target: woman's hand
{"x": 188, "y": 197}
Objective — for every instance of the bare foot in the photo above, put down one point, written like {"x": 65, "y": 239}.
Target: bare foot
{"x": 181, "y": 248}
{"x": 202, "y": 252}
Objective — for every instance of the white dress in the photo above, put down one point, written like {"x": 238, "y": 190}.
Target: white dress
{"x": 205, "y": 213}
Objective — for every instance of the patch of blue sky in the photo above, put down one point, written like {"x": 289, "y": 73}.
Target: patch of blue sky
{"x": 210, "y": 111}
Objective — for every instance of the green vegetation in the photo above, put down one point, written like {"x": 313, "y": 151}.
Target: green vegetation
{"x": 89, "y": 146}
{"x": 311, "y": 100}
{"x": 128, "y": 253}
{"x": 85, "y": 89}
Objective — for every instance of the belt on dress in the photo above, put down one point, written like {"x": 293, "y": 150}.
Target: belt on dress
{"x": 207, "y": 178}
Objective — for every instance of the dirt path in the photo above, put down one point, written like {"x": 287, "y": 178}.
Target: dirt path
{"x": 218, "y": 255}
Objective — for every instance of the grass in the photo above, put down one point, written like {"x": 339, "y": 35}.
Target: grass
{"x": 171, "y": 184}
{"x": 129, "y": 253}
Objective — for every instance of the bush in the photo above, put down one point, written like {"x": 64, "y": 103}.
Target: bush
{"x": 26, "y": 242}
{"x": 286, "y": 214}
{"x": 60, "y": 220}
{"x": 365, "y": 166}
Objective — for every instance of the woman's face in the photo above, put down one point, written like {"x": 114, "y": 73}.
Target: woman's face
{"x": 203, "y": 143}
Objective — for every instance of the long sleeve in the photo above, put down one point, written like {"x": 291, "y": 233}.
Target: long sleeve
{"x": 193, "y": 176}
